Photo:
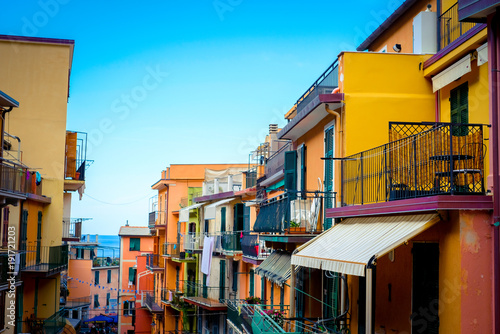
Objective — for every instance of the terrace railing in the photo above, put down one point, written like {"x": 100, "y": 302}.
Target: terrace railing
{"x": 450, "y": 28}
{"x": 55, "y": 323}
{"x": 325, "y": 84}
{"x": 295, "y": 212}
{"x": 18, "y": 179}
{"x": 72, "y": 228}
{"x": 77, "y": 302}
{"x": 276, "y": 160}
{"x": 422, "y": 159}
{"x": 154, "y": 261}
{"x": 44, "y": 258}
{"x": 254, "y": 248}
{"x": 193, "y": 242}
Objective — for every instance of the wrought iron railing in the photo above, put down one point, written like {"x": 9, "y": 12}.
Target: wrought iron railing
{"x": 422, "y": 159}
{"x": 44, "y": 258}
{"x": 154, "y": 261}
{"x": 251, "y": 178}
{"x": 153, "y": 216}
{"x": 18, "y": 179}
{"x": 77, "y": 302}
{"x": 450, "y": 28}
{"x": 276, "y": 162}
{"x": 167, "y": 295}
{"x": 175, "y": 250}
{"x": 254, "y": 248}
{"x": 76, "y": 155}
{"x": 193, "y": 242}
{"x": 211, "y": 294}
{"x": 72, "y": 228}
{"x": 295, "y": 212}
{"x": 227, "y": 242}
{"x": 151, "y": 301}
{"x": 325, "y": 84}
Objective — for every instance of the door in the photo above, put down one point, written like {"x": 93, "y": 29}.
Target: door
{"x": 425, "y": 288}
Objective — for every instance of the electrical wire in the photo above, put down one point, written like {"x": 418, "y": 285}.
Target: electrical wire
{"x": 108, "y": 203}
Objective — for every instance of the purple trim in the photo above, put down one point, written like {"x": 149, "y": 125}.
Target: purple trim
{"x": 321, "y": 98}
{"x": 455, "y": 44}
{"x": 225, "y": 195}
{"x": 37, "y": 39}
{"x": 422, "y": 204}
{"x": 386, "y": 24}
{"x": 250, "y": 260}
{"x": 476, "y": 10}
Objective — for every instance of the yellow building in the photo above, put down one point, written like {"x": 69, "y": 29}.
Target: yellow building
{"x": 37, "y": 72}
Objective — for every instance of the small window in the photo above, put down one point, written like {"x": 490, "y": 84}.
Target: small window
{"x": 131, "y": 275}
{"x": 135, "y": 244}
{"x": 96, "y": 301}
{"x": 108, "y": 296}
{"x": 109, "y": 276}
{"x": 125, "y": 308}
{"x": 96, "y": 277}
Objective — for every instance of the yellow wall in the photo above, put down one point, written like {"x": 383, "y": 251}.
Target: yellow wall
{"x": 401, "y": 32}
{"x": 378, "y": 88}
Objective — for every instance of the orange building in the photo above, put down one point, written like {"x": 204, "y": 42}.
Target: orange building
{"x": 135, "y": 244}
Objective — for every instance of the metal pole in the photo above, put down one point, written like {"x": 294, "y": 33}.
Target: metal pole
{"x": 369, "y": 301}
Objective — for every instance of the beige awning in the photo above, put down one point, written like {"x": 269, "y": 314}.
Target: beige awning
{"x": 276, "y": 267}
{"x": 184, "y": 212}
{"x": 211, "y": 208}
{"x": 348, "y": 247}
{"x": 451, "y": 74}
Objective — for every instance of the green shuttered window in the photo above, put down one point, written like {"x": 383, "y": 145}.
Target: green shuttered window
{"x": 135, "y": 244}
{"x": 459, "y": 108}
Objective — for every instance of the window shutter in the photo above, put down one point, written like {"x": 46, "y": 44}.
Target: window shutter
{"x": 109, "y": 276}
{"x": 303, "y": 168}
{"x": 263, "y": 289}
{"x": 205, "y": 288}
{"x": 222, "y": 279}
{"x": 459, "y": 108}
{"x": 238, "y": 217}
{"x": 329, "y": 145}
{"x": 246, "y": 218}
{"x": 223, "y": 219}
{"x": 96, "y": 277}
{"x": 291, "y": 170}
{"x": 108, "y": 296}
{"x": 131, "y": 275}
{"x": 235, "y": 275}
{"x": 96, "y": 301}
{"x": 251, "y": 291}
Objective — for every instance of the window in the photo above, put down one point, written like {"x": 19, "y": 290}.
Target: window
{"x": 252, "y": 283}
{"x": 206, "y": 226}
{"x": 96, "y": 277}
{"x": 135, "y": 244}
{"x": 96, "y": 301}
{"x": 125, "y": 308}
{"x": 5, "y": 229}
{"x": 301, "y": 168}
{"x": 459, "y": 108}
{"x": 129, "y": 308}
{"x": 109, "y": 276}
{"x": 131, "y": 275}
{"x": 108, "y": 296}
{"x": 291, "y": 170}
{"x": 235, "y": 276}
{"x": 222, "y": 279}
{"x": 223, "y": 219}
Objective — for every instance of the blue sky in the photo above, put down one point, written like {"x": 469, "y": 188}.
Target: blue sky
{"x": 190, "y": 81}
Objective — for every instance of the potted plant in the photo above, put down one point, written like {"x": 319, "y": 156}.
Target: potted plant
{"x": 296, "y": 228}
{"x": 253, "y": 300}
{"x": 276, "y": 315}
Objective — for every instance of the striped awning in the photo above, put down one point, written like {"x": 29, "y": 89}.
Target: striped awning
{"x": 276, "y": 267}
{"x": 350, "y": 245}
{"x": 452, "y": 73}
{"x": 184, "y": 212}
{"x": 211, "y": 208}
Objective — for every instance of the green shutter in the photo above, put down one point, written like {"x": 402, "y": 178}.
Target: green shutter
{"x": 235, "y": 275}
{"x": 303, "y": 168}
{"x": 223, "y": 219}
{"x": 108, "y": 296}
{"x": 135, "y": 244}
{"x": 246, "y": 218}
{"x": 96, "y": 277}
{"x": 263, "y": 289}
{"x": 251, "y": 291}
{"x": 272, "y": 293}
{"x": 291, "y": 170}
{"x": 329, "y": 163}
{"x": 331, "y": 297}
{"x": 96, "y": 301}
{"x": 109, "y": 276}
{"x": 222, "y": 279}
{"x": 205, "y": 288}
{"x": 131, "y": 274}
{"x": 459, "y": 108}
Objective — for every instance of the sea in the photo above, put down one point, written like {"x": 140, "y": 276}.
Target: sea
{"x": 109, "y": 245}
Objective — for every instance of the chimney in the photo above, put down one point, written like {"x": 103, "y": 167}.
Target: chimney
{"x": 96, "y": 238}
{"x": 273, "y": 128}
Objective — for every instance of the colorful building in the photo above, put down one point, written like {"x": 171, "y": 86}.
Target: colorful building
{"x": 36, "y": 72}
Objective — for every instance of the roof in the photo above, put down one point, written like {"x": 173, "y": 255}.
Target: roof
{"x": 386, "y": 24}
{"x": 134, "y": 231}
{"x": 7, "y": 101}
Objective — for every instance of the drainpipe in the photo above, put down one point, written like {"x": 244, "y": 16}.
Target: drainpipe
{"x": 494, "y": 61}
{"x": 338, "y": 148}
{"x": 369, "y": 296}
{"x": 437, "y": 106}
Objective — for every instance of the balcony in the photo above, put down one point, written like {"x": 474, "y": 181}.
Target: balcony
{"x": 76, "y": 161}
{"x": 218, "y": 186}
{"x": 77, "y": 302}
{"x": 167, "y": 295}
{"x": 153, "y": 216}
{"x": 72, "y": 229}
{"x": 422, "y": 159}
{"x": 154, "y": 262}
{"x": 295, "y": 213}
{"x": 227, "y": 242}
{"x": 152, "y": 302}
{"x": 55, "y": 323}
{"x": 253, "y": 248}
{"x": 450, "y": 28}
{"x": 176, "y": 251}
{"x": 193, "y": 242}
{"x": 325, "y": 84}
{"x": 276, "y": 161}
{"x": 8, "y": 261}
{"x": 207, "y": 297}
{"x": 48, "y": 259}
{"x": 16, "y": 181}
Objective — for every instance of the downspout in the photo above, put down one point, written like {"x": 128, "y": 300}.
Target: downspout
{"x": 494, "y": 61}
{"x": 369, "y": 295}
{"x": 437, "y": 106}
{"x": 338, "y": 148}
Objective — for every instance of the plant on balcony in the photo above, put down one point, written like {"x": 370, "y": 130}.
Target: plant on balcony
{"x": 276, "y": 315}
{"x": 253, "y": 300}
{"x": 295, "y": 227}
{"x": 294, "y": 224}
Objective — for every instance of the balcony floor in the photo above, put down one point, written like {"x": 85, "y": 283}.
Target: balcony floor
{"x": 421, "y": 204}
{"x": 207, "y": 304}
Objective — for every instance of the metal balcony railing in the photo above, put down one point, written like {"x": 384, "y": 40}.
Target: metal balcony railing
{"x": 55, "y": 323}
{"x": 251, "y": 178}
{"x": 44, "y": 258}
{"x": 18, "y": 179}
{"x": 154, "y": 261}
{"x": 193, "y": 242}
{"x": 72, "y": 228}
{"x": 450, "y": 28}
{"x": 152, "y": 302}
{"x": 254, "y": 248}
{"x": 211, "y": 295}
{"x": 295, "y": 212}
{"x": 325, "y": 84}
{"x": 153, "y": 216}
{"x": 422, "y": 159}
{"x": 167, "y": 295}
{"x": 276, "y": 161}
{"x": 175, "y": 250}
{"x": 76, "y": 155}
{"x": 77, "y": 302}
